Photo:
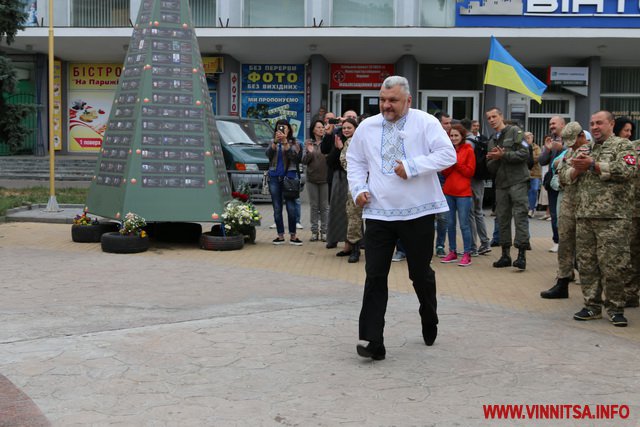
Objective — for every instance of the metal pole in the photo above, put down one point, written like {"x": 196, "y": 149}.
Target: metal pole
{"x": 52, "y": 206}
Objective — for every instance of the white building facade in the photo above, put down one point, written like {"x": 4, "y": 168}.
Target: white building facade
{"x": 268, "y": 58}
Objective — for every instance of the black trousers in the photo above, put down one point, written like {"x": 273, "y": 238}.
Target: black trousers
{"x": 416, "y": 236}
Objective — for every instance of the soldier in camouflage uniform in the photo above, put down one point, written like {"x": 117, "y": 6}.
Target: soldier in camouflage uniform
{"x": 603, "y": 170}
{"x": 632, "y": 287}
{"x": 507, "y": 160}
{"x": 354, "y": 215}
{"x": 574, "y": 138}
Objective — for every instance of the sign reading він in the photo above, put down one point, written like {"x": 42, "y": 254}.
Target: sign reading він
{"x": 548, "y": 13}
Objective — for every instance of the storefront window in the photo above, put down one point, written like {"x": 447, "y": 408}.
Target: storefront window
{"x": 362, "y": 13}
{"x": 620, "y": 93}
{"x": 203, "y": 13}
{"x": 274, "y": 13}
{"x": 100, "y": 13}
{"x": 437, "y": 13}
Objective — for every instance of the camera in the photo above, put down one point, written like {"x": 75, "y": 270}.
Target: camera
{"x": 334, "y": 121}
{"x": 281, "y": 128}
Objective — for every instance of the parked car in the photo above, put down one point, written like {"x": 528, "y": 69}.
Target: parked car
{"x": 244, "y": 142}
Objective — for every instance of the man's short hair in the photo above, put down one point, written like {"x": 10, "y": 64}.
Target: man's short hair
{"x": 493, "y": 108}
{"x": 393, "y": 81}
{"x": 608, "y": 113}
{"x": 466, "y": 123}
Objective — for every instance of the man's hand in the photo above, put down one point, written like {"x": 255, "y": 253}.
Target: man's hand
{"x": 399, "y": 170}
{"x": 495, "y": 154}
{"x": 557, "y": 146}
{"x": 582, "y": 163}
{"x": 338, "y": 142}
{"x": 362, "y": 199}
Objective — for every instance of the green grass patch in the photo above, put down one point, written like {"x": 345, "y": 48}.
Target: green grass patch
{"x": 13, "y": 198}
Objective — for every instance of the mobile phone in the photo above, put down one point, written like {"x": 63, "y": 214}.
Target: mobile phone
{"x": 334, "y": 121}
{"x": 281, "y": 128}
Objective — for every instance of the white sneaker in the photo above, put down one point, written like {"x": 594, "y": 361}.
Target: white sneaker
{"x": 554, "y": 248}
{"x": 272, "y": 226}
{"x": 299, "y": 226}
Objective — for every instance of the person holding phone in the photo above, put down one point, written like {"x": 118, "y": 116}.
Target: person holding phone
{"x": 284, "y": 155}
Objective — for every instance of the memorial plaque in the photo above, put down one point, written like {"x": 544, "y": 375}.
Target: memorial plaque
{"x": 161, "y": 156}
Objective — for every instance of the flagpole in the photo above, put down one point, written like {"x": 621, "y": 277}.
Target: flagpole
{"x": 52, "y": 205}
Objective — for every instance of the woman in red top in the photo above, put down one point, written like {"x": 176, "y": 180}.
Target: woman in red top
{"x": 457, "y": 190}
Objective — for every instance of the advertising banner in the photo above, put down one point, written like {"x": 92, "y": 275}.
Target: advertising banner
{"x": 359, "y": 76}
{"x": 272, "y": 77}
{"x": 57, "y": 105}
{"x": 275, "y": 106}
{"x": 92, "y": 88}
{"x": 213, "y": 64}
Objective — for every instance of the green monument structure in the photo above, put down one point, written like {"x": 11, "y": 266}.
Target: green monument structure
{"x": 161, "y": 156}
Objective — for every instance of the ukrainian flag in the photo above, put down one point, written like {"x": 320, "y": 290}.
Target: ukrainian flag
{"x": 506, "y": 72}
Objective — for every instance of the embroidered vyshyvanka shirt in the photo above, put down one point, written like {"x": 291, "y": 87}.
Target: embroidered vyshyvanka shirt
{"x": 418, "y": 140}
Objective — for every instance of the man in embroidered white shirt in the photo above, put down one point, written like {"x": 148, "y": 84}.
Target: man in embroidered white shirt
{"x": 393, "y": 162}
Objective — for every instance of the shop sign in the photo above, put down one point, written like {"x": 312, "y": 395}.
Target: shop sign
{"x": 548, "y": 13}
{"x": 233, "y": 99}
{"x": 276, "y": 106}
{"x": 568, "y": 76}
{"x": 213, "y": 64}
{"x": 94, "y": 76}
{"x": 359, "y": 76}
{"x": 272, "y": 77}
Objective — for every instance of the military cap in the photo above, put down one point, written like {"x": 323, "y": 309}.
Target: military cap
{"x": 570, "y": 133}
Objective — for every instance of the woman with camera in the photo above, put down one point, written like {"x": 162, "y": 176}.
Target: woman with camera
{"x": 284, "y": 155}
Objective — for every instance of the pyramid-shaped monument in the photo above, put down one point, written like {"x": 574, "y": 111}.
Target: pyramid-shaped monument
{"x": 161, "y": 156}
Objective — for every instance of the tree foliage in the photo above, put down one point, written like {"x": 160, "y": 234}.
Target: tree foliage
{"x": 12, "y": 17}
{"x": 12, "y": 129}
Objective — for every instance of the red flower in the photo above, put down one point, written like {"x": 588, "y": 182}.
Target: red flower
{"x": 240, "y": 196}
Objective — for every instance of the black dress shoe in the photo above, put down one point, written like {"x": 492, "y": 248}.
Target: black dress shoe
{"x": 343, "y": 253}
{"x": 375, "y": 351}
{"x": 331, "y": 245}
{"x": 429, "y": 333}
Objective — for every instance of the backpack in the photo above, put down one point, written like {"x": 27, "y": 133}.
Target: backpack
{"x": 480, "y": 149}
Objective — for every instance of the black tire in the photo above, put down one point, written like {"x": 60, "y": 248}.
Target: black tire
{"x": 177, "y": 232}
{"x": 221, "y": 243}
{"x": 250, "y": 237}
{"x": 117, "y": 243}
{"x": 91, "y": 233}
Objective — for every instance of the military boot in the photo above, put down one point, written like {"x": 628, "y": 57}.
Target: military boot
{"x": 559, "y": 290}
{"x": 505, "y": 259}
{"x": 521, "y": 261}
{"x": 355, "y": 253}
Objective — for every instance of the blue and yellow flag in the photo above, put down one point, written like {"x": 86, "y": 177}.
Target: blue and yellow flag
{"x": 506, "y": 72}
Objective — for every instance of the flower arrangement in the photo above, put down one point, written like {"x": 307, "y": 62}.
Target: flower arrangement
{"x": 243, "y": 192}
{"x": 132, "y": 225}
{"x": 238, "y": 216}
{"x": 84, "y": 219}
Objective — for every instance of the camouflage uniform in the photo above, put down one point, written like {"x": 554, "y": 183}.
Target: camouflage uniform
{"x": 567, "y": 216}
{"x": 512, "y": 185}
{"x": 354, "y": 212}
{"x": 603, "y": 222}
{"x": 632, "y": 287}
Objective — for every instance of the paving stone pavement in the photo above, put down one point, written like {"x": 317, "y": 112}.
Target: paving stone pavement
{"x": 266, "y": 336}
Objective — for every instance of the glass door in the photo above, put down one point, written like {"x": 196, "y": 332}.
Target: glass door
{"x": 458, "y": 104}
{"x": 363, "y": 102}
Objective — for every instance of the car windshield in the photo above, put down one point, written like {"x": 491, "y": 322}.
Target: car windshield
{"x": 263, "y": 131}
{"x": 232, "y": 133}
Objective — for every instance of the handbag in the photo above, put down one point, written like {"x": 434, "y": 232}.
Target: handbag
{"x": 265, "y": 184}
{"x": 546, "y": 180}
{"x": 290, "y": 188}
